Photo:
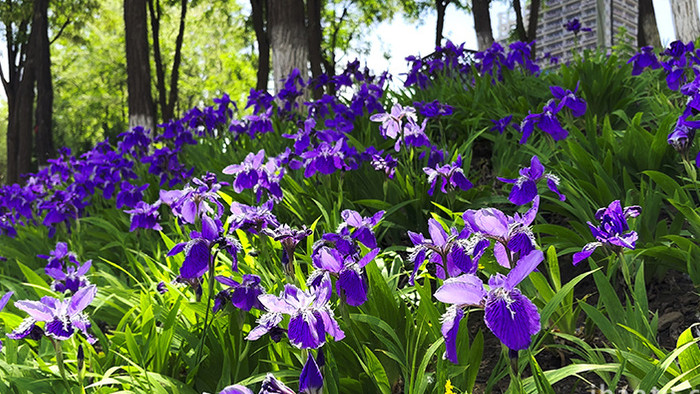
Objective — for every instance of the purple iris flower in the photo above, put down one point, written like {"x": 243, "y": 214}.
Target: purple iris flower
{"x": 62, "y": 317}
{"x": 547, "y": 121}
{"x": 413, "y": 135}
{"x": 512, "y": 234}
{"x": 613, "y": 229}
{"x": 302, "y": 139}
{"x": 273, "y": 386}
{"x": 525, "y": 188}
{"x": 310, "y": 315}
{"x": 311, "y": 380}
{"x": 325, "y": 158}
{"x": 130, "y": 195}
{"x": 145, "y": 215}
{"x": 252, "y": 218}
{"x": 3, "y": 301}
{"x": 289, "y": 238}
{"x": 191, "y": 202}
{"x": 452, "y": 176}
{"x": 574, "y": 25}
{"x": 567, "y": 98}
{"x": 386, "y": 163}
{"x": 242, "y": 295}
{"x": 248, "y": 172}
{"x": 433, "y": 109}
{"x": 236, "y": 389}
{"x": 510, "y": 316}
{"x": 392, "y": 122}
{"x": 500, "y": 125}
{"x": 362, "y": 226}
{"x": 448, "y": 252}
{"x": 681, "y": 137}
{"x": 645, "y": 58}
{"x": 352, "y": 282}
{"x": 67, "y": 272}
{"x": 198, "y": 251}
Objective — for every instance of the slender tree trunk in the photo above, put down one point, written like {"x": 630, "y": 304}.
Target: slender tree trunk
{"x": 154, "y": 11}
{"x": 44, "y": 85}
{"x": 440, "y": 7}
{"x": 16, "y": 55}
{"x": 519, "y": 24}
{"x": 259, "y": 15}
{"x": 647, "y": 29}
{"x": 169, "y": 111}
{"x": 313, "y": 11}
{"x": 141, "y": 106}
{"x": 686, "y": 19}
{"x": 24, "y": 110}
{"x": 532, "y": 26}
{"x": 290, "y": 46}
{"x": 482, "y": 23}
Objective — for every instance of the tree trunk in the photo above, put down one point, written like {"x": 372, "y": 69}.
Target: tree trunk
{"x": 138, "y": 68}
{"x": 519, "y": 25}
{"x": 16, "y": 55}
{"x": 647, "y": 30}
{"x": 482, "y": 23}
{"x": 44, "y": 85}
{"x": 23, "y": 112}
{"x": 154, "y": 11}
{"x": 290, "y": 46}
{"x": 532, "y": 27}
{"x": 686, "y": 19}
{"x": 313, "y": 10}
{"x": 440, "y": 6}
{"x": 259, "y": 15}
{"x": 169, "y": 111}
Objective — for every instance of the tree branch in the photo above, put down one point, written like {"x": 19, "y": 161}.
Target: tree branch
{"x": 60, "y": 31}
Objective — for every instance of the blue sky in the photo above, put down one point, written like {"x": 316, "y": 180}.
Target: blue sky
{"x": 399, "y": 38}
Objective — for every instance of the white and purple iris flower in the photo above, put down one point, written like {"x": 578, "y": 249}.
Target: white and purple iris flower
{"x": 67, "y": 272}
{"x": 253, "y": 174}
{"x": 512, "y": 234}
{"x": 613, "y": 229}
{"x": 311, "y": 317}
{"x": 289, "y": 238}
{"x": 62, "y": 317}
{"x": 525, "y": 187}
{"x": 452, "y": 176}
{"x": 392, "y": 122}
{"x": 191, "y": 203}
{"x": 510, "y": 316}
{"x": 450, "y": 253}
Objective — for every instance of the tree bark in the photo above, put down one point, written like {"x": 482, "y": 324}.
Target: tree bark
{"x": 138, "y": 68}
{"x": 440, "y": 7}
{"x": 686, "y": 19}
{"x": 647, "y": 29}
{"x": 482, "y": 23}
{"x": 169, "y": 111}
{"x": 23, "y": 112}
{"x": 313, "y": 11}
{"x": 154, "y": 11}
{"x": 519, "y": 24}
{"x": 532, "y": 27}
{"x": 259, "y": 15}
{"x": 290, "y": 46}
{"x": 44, "y": 85}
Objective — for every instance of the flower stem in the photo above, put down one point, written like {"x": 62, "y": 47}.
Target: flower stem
{"x": 59, "y": 360}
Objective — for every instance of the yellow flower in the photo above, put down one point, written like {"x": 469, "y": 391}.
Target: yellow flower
{"x": 449, "y": 387}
